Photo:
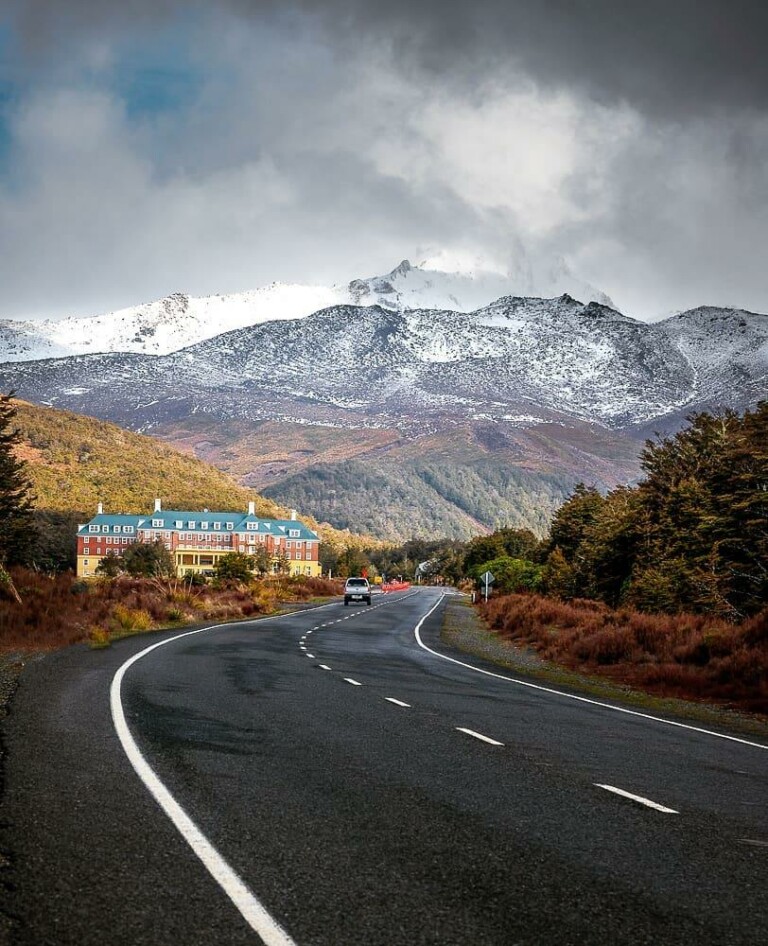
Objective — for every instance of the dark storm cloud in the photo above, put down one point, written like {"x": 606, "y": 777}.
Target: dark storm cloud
{"x": 670, "y": 57}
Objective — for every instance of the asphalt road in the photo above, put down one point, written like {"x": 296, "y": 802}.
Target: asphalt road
{"x": 333, "y": 815}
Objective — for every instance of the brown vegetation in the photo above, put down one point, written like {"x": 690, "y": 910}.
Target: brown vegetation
{"x": 682, "y": 655}
{"x": 55, "y": 611}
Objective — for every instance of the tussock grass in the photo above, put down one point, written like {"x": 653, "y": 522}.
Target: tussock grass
{"x": 57, "y": 610}
{"x": 682, "y": 655}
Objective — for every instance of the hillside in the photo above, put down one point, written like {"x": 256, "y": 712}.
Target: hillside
{"x": 74, "y": 462}
{"x": 459, "y": 483}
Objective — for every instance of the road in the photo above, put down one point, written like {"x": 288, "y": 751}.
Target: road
{"x": 337, "y": 781}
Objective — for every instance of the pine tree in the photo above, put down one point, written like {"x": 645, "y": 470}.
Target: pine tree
{"x": 16, "y": 530}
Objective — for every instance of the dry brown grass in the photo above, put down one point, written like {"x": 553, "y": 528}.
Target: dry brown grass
{"x": 682, "y": 655}
{"x": 56, "y": 611}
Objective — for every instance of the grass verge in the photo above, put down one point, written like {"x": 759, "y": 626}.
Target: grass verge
{"x": 465, "y": 629}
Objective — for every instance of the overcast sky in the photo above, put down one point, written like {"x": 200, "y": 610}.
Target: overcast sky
{"x": 152, "y": 146}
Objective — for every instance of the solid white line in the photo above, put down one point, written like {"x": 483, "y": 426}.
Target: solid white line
{"x": 572, "y": 696}
{"x": 479, "y": 735}
{"x": 353, "y": 682}
{"x": 252, "y": 910}
{"x": 391, "y": 699}
{"x": 639, "y": 799}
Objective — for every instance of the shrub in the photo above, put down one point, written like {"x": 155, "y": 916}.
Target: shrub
{"x": 686, "y": 655}
{"x": 132, "y": 619}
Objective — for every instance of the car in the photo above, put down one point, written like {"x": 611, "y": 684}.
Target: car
{"x": 357, "y": 589}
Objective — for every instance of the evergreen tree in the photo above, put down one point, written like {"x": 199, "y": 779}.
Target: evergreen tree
{"x": 151, "y": 560}
{"x": 235, "y": 566}
{"x": 16, "y": 531}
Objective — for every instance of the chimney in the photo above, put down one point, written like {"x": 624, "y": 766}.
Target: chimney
{"x": 293, "y": 514}
{"x": 251, "y": 508}
{"x": 100, "y": 509}
{"x": 158, "y": 505}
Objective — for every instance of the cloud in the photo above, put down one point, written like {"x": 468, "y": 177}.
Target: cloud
{"x": 665, "y": 58}
{"x": 210, "y": 148}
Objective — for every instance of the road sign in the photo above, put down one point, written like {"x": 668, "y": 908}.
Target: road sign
{"x": 487, "y": 578}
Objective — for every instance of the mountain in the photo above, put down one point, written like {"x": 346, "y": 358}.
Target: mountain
{"x": 178, "y": 321}
{"x": 451, "y": 421}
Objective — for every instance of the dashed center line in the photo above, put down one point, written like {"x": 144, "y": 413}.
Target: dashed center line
{"x": 479, "y": 735}
{"x": 353, "y": 682}
{"x": 391, "y": 699}
{"x": 324, "y": 667}
{"x": 639, "y": 799}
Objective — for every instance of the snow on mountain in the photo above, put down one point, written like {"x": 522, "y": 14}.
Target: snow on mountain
{"x": 518, "y": 360}
{"x": 179, "y": 321}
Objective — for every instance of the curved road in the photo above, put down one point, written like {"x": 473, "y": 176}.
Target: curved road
{"x": 344, "y": 784}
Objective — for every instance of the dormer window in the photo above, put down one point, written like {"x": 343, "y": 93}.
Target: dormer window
{"x": 203, "y": 525}
{"x": 105, "y": 528}
{"x": 93, "y": 528}
{"x": 179, "y": 523}
{"x": 191, "y": 524}
{"x": 230, "y": 525}
{"x": 253, "y": 526}
{"x": 128, "y": 529}
{"x": 294, "y": 533}
{"x": 217, "y": 526}
{"x": 157, "y": 523}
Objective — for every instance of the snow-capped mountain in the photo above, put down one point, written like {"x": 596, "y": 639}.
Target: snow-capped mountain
{"x": 178, "y": 321}
{"x": 519, "y": 360}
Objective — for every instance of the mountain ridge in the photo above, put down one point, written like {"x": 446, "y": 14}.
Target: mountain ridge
{"x": 179, "y": 320}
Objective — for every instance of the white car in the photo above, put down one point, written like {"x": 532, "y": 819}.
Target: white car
{"x": 357, "y": 589}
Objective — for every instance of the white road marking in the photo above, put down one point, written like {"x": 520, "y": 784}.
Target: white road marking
{"x": 353, "y": 682}
{"x": 479, "y": 735}
{"x": 391, "y": 699}
{"x": 311, "y": 656}
{"x": 252, "y": 910}
{"x": 324, "y": 667}
{"x": 639, "y": 799}
{"x": 572, "y": 696}
{"x": 753, "y": 841}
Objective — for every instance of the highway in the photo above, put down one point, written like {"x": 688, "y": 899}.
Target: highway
{"x": 330, "y": 778}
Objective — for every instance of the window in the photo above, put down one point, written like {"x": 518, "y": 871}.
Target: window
{"x": 93, "y": 528}
{"x": 105, "y": 528}
{"x": 309, "y": 554}
{"x": 294, "y": 533}
{"x": 157, "y": 523}
{"x": 252, "y": 525}
{"x": 87, "y": 539}
{"x": 203, "y": 525}
{"x": 230, "y": 525}
{"x": 191, "y": 524}
{"x": 85, "y": 561}
{"x": 217, "y": 526}
{"x": 116, "y": 528}
{"x": 288, "y": 544}
{"x": 128, "y": 529}
{"x": 179, "y": 524}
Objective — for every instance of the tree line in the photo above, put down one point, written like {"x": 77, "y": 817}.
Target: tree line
{"x": 692, "y": 535}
